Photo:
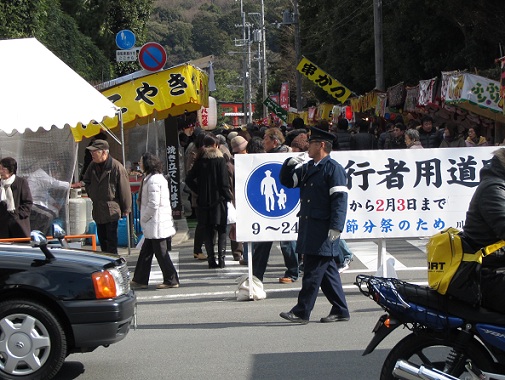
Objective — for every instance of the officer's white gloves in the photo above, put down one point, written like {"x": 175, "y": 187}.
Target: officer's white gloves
{"x": 296, "y": 160}
{"x": 333, "y": 235}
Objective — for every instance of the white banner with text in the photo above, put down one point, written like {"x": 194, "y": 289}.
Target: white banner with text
{"x": 392, "y": 193}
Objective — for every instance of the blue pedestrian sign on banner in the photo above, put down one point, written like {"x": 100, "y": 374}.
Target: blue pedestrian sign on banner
{"x": 266, "y": 196}
{"x": 268, "y": 210}
{"x": 125, "y": 39}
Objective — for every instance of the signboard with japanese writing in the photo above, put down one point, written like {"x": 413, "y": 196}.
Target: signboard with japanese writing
{"x": 392, "y": 193}
{"x": 168, "y": 92}
{"x": 323, "y": 80}
{"x": 129, "y": 55}
{"x": 475, "y": 93}
{"x": 276, "y": 109}
{"x": 173, "y": 156}
{"x": 502, "y": 81}
{"x": 284, "y": 96}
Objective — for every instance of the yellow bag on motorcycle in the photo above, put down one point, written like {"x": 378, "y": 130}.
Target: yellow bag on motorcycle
{"x": 451, "y": 270}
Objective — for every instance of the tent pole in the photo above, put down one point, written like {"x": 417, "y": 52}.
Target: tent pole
{"x": 121, "y": 128}
{"x": 110, "y": 133}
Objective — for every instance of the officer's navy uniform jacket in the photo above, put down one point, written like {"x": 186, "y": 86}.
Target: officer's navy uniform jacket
{"x": 323, "y": 204}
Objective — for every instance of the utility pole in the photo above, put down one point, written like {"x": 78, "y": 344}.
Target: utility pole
{"x": 264, "y": 43}
{"x": 379, "y": 50}
{"x": 242, "y": 14}
{"x": 298, "y": 54}
{"x": 249, "y": 83}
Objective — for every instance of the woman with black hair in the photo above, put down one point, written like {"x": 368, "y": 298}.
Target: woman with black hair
{"x": 208, "y": 178}
{"x": 157, "y": 225}
{"x": 15, "y": 201}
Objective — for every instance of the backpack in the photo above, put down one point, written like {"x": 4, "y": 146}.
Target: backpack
{"x": 452, "y": 271}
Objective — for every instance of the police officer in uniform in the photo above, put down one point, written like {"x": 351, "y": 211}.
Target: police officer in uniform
{"x": 323, "y": 209}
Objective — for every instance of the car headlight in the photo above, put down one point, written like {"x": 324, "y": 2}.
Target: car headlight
{"x": 108, "y": 283}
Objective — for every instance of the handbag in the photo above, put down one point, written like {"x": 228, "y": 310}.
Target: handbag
{"x": 242, "y": 292}
{"x": 231, "y": 215}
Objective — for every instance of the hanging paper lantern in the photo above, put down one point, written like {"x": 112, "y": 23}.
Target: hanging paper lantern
{"x": 207, "y": 117}
{"x": 348, "y": 112}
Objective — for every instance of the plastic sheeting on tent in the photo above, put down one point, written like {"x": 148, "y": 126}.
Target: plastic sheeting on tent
{"x": 42, "y": 100}
{"x": 41, "y": 91}
{"x": 47, "y": 160}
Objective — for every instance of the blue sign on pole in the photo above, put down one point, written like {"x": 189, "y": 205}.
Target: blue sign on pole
{"x": 125, "y": 39}
{"x": 152, "y": 56}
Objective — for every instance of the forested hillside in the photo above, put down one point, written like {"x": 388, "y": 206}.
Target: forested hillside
{"x": 421, "y": 38}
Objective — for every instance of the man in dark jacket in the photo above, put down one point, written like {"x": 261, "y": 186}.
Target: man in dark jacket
{"x": 397, "y": 139}
{"x": 323, "y": 210}
{"x": 428, "y": 135}
{"x": 485, "y": 225}
{"x": 107, "y": 185}
{"x": 363, "y": 140}
{"x": 343, "y": 136}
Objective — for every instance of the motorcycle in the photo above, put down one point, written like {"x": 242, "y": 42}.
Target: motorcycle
{"x": 449, "y": 339}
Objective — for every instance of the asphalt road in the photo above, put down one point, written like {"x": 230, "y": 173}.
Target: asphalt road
{"x": 200, "y": 331}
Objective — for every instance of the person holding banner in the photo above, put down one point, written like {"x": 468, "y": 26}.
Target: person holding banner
{"x": 323, "y": 209}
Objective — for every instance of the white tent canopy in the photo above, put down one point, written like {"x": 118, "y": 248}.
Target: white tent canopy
{"x": 40, "y": 91}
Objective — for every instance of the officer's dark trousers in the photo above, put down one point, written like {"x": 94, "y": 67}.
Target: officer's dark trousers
{"x": 320, "y": 271}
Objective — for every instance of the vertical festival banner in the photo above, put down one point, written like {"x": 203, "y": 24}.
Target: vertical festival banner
{"x": 284, "y": 97}
{"x": 502, "y": 82}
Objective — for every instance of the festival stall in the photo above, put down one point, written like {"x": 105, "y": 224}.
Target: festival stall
{"x": 43, "y": 100}
{"x": 150, "y": 101}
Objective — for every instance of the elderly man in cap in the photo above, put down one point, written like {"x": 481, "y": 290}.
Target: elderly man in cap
{"x": 106, "y": 182}
{"x": 323, "y": 209}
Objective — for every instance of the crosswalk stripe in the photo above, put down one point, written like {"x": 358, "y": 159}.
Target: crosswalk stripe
{"x": 368, "y": 253}
{"x": 156, "y": 276}
{"x": 418, "y": 243}
{"x": 365, "y": 251}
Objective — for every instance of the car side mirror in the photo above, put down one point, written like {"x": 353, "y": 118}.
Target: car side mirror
{"x": 58, "y": 232}
{"x": 38, "y": 239}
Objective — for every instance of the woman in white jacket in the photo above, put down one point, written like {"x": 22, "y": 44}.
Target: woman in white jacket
{"x": 157, "y": 225}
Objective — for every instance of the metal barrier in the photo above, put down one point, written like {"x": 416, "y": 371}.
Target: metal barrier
{"x": 136, "y": 214}
{"x": 67, "y": 237}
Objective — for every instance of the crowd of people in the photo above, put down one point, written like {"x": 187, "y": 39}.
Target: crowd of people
{"x": 209, "y": 180}
{"x": 363, "y": 135}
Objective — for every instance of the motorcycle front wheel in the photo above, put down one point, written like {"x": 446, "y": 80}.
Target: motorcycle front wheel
{"x": 432, "y": 352}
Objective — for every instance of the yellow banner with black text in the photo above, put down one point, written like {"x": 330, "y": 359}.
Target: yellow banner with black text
{"x": 323, "y": 80}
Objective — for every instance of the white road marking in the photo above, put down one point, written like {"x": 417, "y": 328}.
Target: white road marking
{"x": 368, "y": 253}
